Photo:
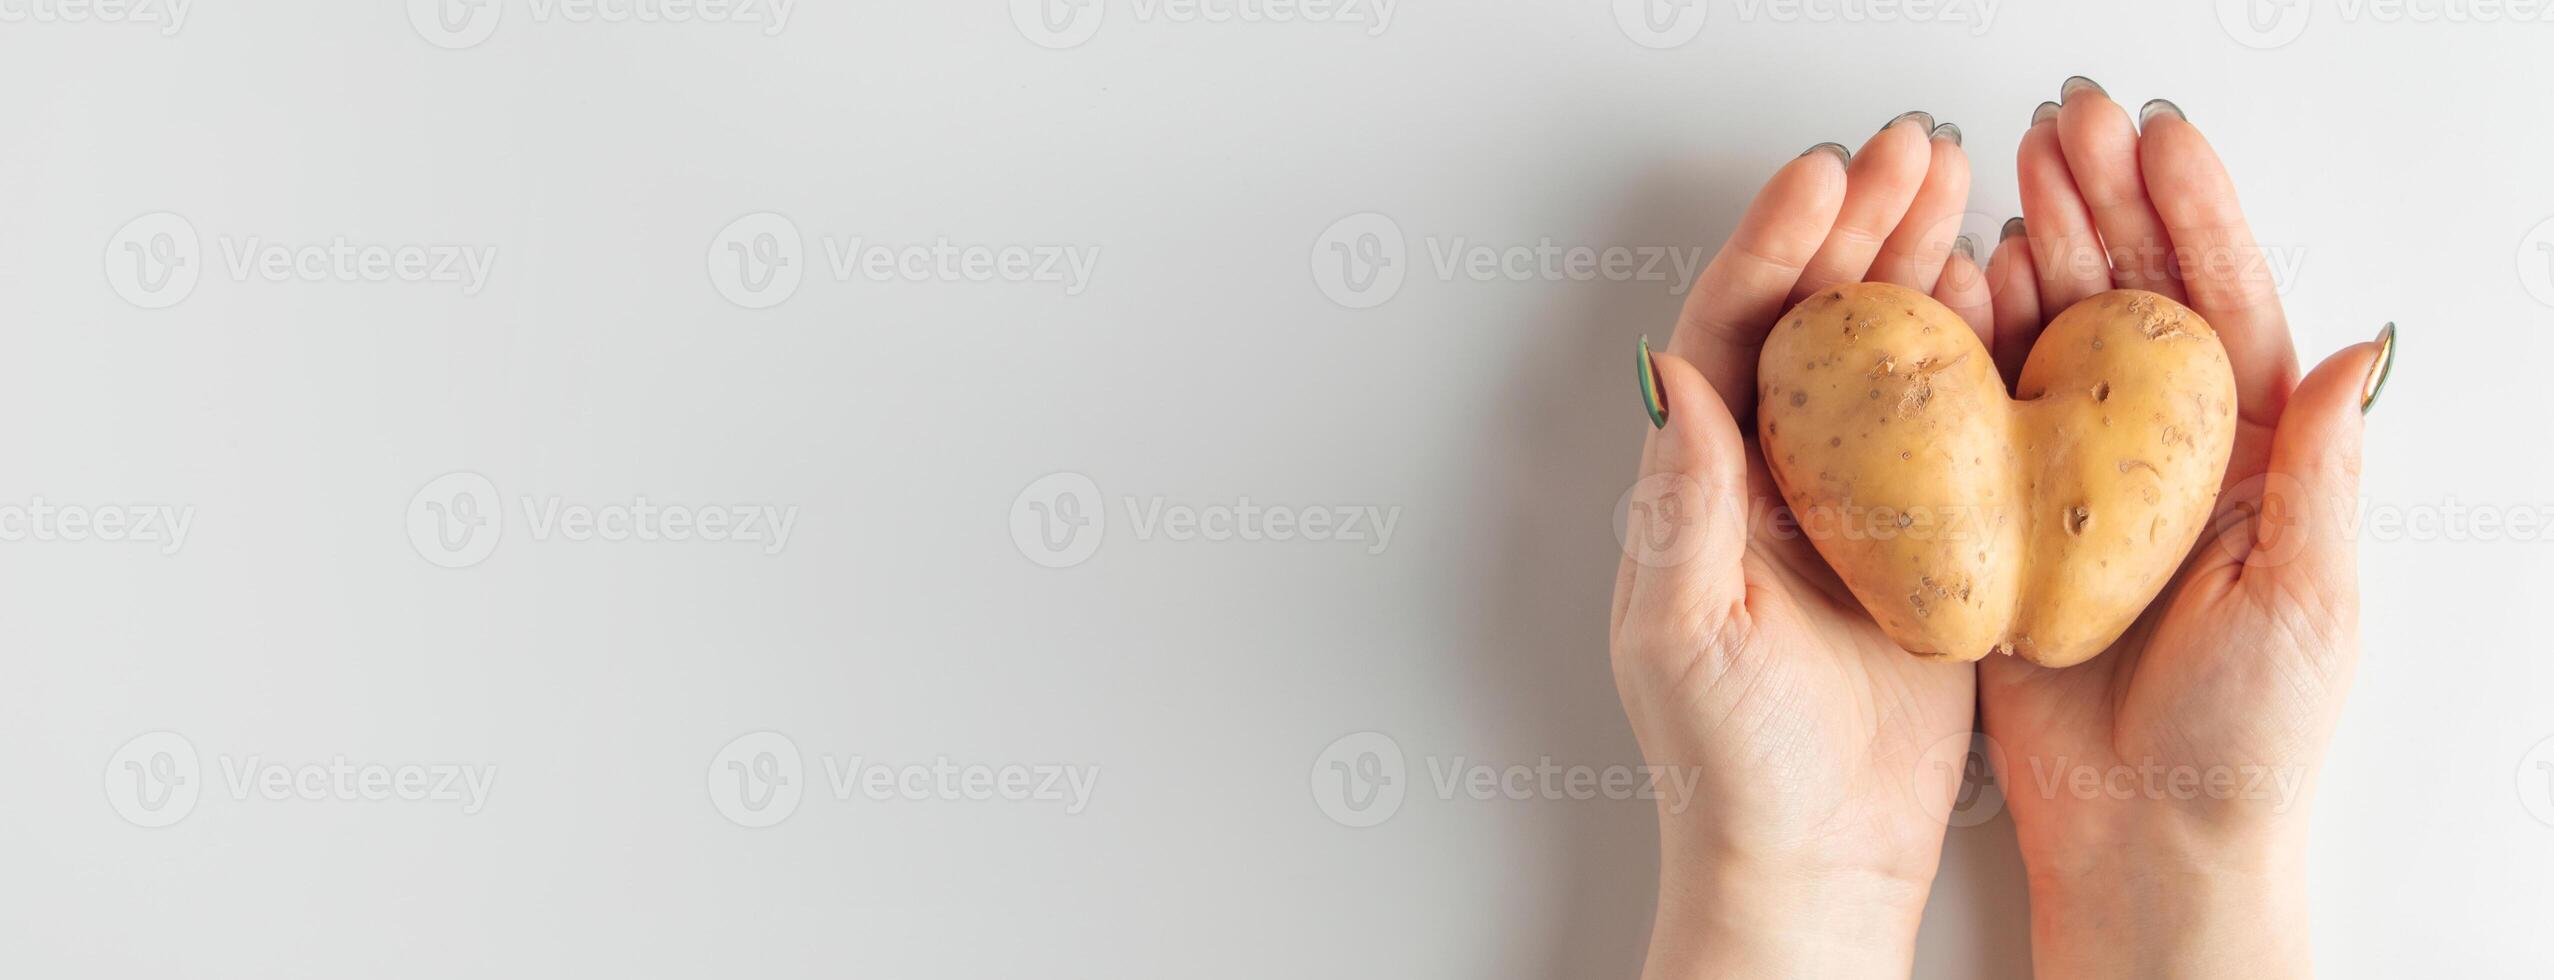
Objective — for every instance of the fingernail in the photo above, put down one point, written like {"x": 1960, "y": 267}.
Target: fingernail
{"x": 2158, "y": 107}
{"x": 1653, "y": 397}
{"x": 1844, "y": 157}
{"x": 2012, "y": 228}
{"x": 1967, "y": 246}
{"x": 1947, "y": 131}
{"x": 2046, "y": 112}
{"x": 2378, "y": 372}
{"x": 1921, "y": 116}
{"x": 2076, "y": 85}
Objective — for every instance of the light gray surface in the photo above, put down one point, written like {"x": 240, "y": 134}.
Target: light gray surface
{"x": 2398, "y": 163}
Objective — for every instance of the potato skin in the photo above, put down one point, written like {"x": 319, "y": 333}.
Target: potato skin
{"x": 2131, "y": 401}
{"x": 1967, "y": 522}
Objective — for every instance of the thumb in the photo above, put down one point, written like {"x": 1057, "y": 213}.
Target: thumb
{"x": 1685, "y": 524}
{"x": 2306, "y": 528}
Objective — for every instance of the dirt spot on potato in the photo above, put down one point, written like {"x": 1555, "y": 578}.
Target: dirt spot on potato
{"x": 1799, "y": 398}
{"x": 2157, "y": 322}
{"x": 1939, "y": 592}
{"x": 1919, "y": 390}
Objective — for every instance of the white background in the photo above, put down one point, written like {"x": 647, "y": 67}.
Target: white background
{"x": 2398, "y": 161}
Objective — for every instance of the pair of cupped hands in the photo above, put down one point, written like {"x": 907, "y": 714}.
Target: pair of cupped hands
{"x": 2159, "y": 790}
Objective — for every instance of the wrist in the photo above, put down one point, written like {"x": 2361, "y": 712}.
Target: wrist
{"x": 1725, "y": 914}
{"x": 2176, "y": 906}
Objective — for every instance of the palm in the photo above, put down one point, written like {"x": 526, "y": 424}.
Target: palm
{"x": 1831, "y": 702}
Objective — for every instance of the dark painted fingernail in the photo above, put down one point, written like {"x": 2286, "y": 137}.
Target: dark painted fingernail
{"x": 1844, "y": 157}
{"x": 1653, "y": 397}
{"x": 2076, "y": 85}
{"x": 2012, "y": 229}
{"x": 1967, "y": 246}
{"x": 1919, "y": 115}
{"x": 1947, "y": 131}
{"x": 2159, "y": 107}
{"x": 2380, "y": 371}
{"x": 2046, "y": 112}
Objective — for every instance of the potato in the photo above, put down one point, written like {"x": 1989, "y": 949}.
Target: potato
{"x": 1969, "y": 522}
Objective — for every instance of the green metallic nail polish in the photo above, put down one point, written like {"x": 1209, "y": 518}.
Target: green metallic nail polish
{"x": 2380, "y": 371}
{"x": 1652, "y": 399}
{"x": 1924, "y": 120}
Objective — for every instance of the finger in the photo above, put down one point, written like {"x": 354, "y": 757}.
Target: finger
{"x": 2063, "y": 247}
{"x": 1882, "y": 183}
{"x": 2304, "y": 529}
{"x": 2100, "y": 146}
{"x": 1914, "y": 254}
{"x": 2015, "y": 287}
{"x": 1747, "y": 286}
{"x": 1685, "y": 529}
{"x": 1962, "y": 287}
{"x": 2225, "y": 272}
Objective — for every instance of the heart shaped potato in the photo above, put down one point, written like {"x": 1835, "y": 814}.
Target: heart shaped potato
{"x": 1967, "y": 521}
